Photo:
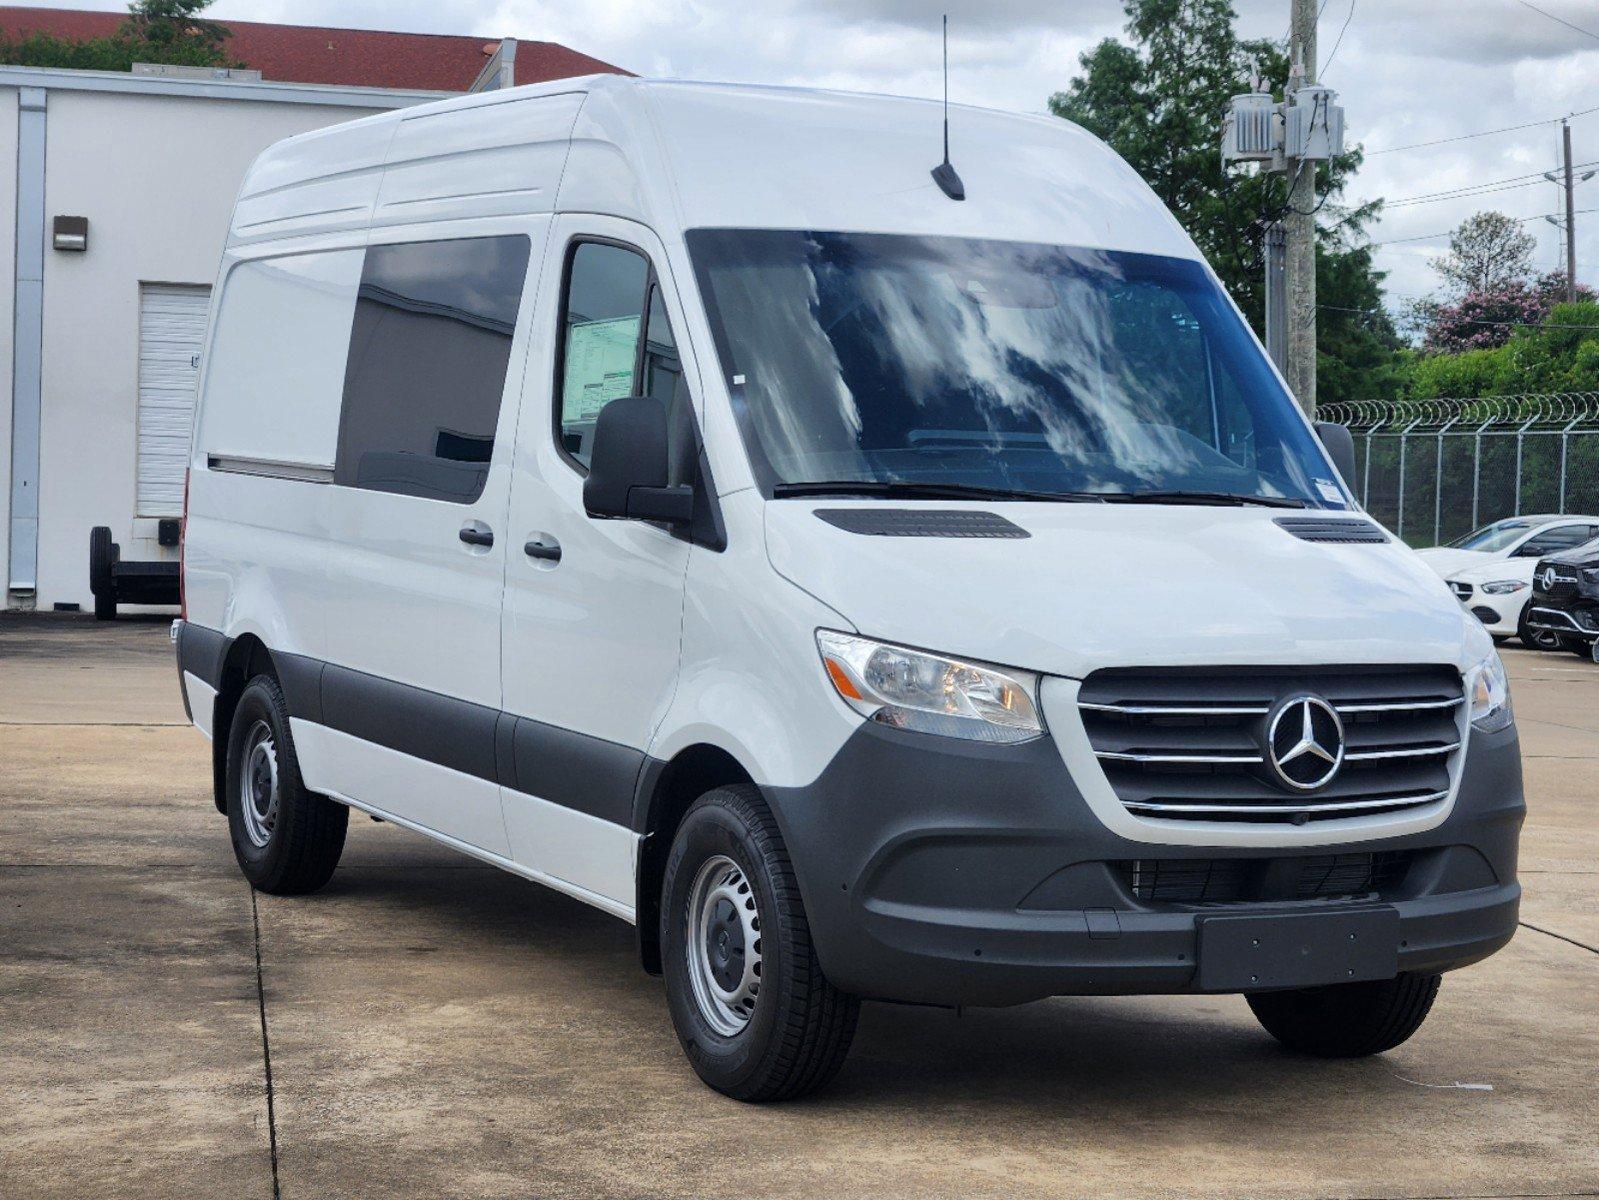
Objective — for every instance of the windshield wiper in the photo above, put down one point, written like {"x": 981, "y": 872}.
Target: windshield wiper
{"x": 896, "y": 489}
{"x": 1180, "y": 497}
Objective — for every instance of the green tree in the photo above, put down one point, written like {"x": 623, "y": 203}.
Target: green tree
{"x": 1157, "y": 99}
{"x": 1487, "y": 251}
{"x": 156, "y": 31}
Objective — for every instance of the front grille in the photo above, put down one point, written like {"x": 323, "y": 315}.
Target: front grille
{"x": 1485, "y": 614}
{"x": 1462, "y": 591}
{"x": 1565, "y": 586}
{"x": 1189, "y": 745}
{"x": 1253, "y": 880}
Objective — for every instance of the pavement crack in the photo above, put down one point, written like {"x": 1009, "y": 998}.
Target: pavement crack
{"x": 1559, "y": 936}
{"x": 266, "y": 1048}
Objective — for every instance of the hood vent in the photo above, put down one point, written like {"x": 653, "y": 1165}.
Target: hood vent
{"x": 921, "y": 522}
{"x": 1333, "y": 529}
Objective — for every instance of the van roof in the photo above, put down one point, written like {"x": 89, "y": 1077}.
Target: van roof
{"x": 677, "y": 155}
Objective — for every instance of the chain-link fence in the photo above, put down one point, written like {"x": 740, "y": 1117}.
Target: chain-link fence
{"x": 1431, "y": 470}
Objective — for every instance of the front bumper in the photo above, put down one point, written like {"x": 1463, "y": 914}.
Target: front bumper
{"x": 1577, "y": 620}
{"x": 959, "y": 874}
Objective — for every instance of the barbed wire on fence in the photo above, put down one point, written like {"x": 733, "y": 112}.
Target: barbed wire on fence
{"x": 1432, "y": 470}
{"x": 1577, "y": 410}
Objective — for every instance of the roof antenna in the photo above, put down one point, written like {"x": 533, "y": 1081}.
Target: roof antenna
{"x": 944, "y": 174}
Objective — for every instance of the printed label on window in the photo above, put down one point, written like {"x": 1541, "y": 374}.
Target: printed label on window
{"x": 599, "y": 366}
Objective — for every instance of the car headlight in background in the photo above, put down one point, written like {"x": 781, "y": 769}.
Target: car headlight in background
{"x": 1488, "y": 689}
{"x": 1504, "y": 587}
{"x": 928, "y": 693}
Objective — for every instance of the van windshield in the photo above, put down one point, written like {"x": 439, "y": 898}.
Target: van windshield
{"x": 926, "y": 362}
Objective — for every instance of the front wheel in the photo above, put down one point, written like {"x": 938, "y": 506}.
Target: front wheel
{"x": 752, "y": 1009}
{"x": 1536, "y": 639}
{"x": 1347, "y": 1020}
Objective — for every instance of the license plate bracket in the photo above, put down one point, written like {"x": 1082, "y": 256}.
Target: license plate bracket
{"x": 1239, "y": 953}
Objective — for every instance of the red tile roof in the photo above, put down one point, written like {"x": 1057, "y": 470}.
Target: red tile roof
{"x": 349, "y": 57}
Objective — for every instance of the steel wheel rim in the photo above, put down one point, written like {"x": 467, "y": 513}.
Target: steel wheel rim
{"x": 724, "y": 945}
{"x": 259, "y": 794}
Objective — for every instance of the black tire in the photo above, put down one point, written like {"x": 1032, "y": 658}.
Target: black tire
{"x": 102, "y": 556}
{"x": 1347, "y": 1020}
{"x": 798, "y": 1029}
{"x": 296, "y": 851}
{"x": 1536, "y": 639}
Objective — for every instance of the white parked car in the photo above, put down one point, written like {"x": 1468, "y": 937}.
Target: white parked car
{"x": 1529, "y": 537}
{"x": 1496, "y": 593}
{"x": 695, "y": 500}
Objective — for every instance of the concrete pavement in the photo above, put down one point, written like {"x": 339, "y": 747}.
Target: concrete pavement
{"x": 435, "y": 1028}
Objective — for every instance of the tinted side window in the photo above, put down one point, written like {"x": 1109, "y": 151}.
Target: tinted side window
{"x": 1562, "y": 537}
{"x": 426, "y": 372}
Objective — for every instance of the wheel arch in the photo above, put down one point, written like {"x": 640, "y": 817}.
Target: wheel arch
{"x": 665, "y": 792}
{"x": 247, "y": 657}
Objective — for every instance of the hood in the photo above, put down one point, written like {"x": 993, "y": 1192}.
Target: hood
{"x": 1496, "y": 569}
{"x": 1446, "y": 559}
{"x": 1585, "y": 555}
{"x": 1095, "y": 586}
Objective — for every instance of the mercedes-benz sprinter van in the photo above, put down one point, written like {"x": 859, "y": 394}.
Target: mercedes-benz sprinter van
{"x": 870, "y": 585}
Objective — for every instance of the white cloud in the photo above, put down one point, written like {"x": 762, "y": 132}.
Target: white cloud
{"x": 1407, "y": 70}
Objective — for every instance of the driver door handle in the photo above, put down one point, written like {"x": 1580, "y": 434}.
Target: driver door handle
{"x": 477, "y": 535}
{"x": 545, "y": 551}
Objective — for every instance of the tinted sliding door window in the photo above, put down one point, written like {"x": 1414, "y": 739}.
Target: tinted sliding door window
{"x": 429, "y": 351}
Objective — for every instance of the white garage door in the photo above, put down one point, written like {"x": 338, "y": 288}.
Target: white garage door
{"x": 171, "y": 334}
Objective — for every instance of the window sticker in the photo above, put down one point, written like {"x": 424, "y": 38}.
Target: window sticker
{"x": 1331, "y": 493}
{"x": 599, "y": 366}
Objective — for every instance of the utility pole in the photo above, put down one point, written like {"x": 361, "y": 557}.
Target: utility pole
{"x": 1571, "y": 215}
{"x": 1300, "y": 264}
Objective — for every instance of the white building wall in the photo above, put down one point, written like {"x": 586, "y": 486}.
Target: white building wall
{"x": 156, "y": 175}
{"x": 8, "y": 275}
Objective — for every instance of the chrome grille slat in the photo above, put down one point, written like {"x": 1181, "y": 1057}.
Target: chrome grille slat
{"x": 1307, "y": 807}
{"x": 1187, "y": 744}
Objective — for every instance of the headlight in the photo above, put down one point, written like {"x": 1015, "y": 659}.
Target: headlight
{"x": 1503, "y": 587}
{"x": 911, "y": 689}
{"x": 1489, "y": 691}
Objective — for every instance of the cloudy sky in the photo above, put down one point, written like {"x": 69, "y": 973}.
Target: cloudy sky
{"x": 1408, "y": 71}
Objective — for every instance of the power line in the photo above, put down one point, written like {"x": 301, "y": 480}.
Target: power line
{"x": 1321, "y": 74}
{"x": 1486, "y": 187}
{"x": 1463, "y": 137}
{"x": 1425, "y": 237}
{"x": 1558, "y": 20}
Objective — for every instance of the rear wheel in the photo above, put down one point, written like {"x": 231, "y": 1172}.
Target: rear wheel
{"x": 287, "y": 840}
{"x": 1347, "y": 1020}
{"x": 752, "y": 1009}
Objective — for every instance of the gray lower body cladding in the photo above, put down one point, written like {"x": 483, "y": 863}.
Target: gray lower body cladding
{"x": 942, "y": 873}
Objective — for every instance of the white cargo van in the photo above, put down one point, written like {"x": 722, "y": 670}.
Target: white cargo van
{"x": 675, "y": 495}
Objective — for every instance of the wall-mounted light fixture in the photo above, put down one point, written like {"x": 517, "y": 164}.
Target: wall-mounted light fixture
{"x": 70, "y": 233}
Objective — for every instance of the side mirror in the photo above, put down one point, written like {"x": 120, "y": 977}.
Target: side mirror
{"x": 628, "y": 467}
{"x": 1340, "y": 444}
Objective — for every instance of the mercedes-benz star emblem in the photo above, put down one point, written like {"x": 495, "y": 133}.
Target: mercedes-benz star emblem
{"x": 1305, "y": 743}
{"x": 1549, "y": 578}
